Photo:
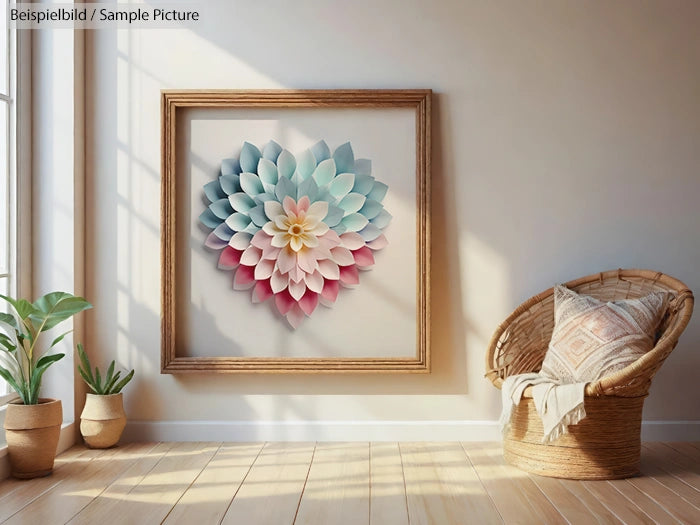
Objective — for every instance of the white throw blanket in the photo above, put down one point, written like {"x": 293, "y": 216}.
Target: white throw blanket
{"x": 558, "y": 405}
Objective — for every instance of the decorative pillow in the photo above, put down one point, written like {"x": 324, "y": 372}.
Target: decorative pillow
{"x": 592, "y": 338}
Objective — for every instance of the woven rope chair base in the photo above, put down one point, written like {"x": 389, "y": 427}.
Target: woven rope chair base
{"x": 604, "y": 445}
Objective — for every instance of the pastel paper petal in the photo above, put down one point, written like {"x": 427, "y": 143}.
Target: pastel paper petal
{"x": 344, "y": 158}
{"x": 308, "y": 188}
{"x": 306, "y": 163}
{"x": 213, "y": 191}
{"x": 284, "y": 302}
{"x": 250, "y": 155}
{"x": 352, "y": 240}
{"x": 295, "y": 316}
{"x": 278, "y": 282}
{"x": 334, "y": 216}
{"x": 355, "y": 222}
{"x": 263, "y": 290}
{"x": 251, "y": 256}
{"x": 271, "y": 253}
{"x": 261, "y": 240}
{"x": 280, "y": 222}
{"x": 308, "y": 302}
{"x": 230, "y": 183}
{"x": 379, "y": 243}
{"x": 272, "y": 151}
{"x": 314, "y": 281}
{"x": 215, "y": 243}
{"x": 318, "y": 211}
{"x": 244, "y": 278}
{"x": 241, "y": 202}
{"x": 258, "y": 216}
{"x": 269, "y": 195}
{"x": 370, "y": 232}
{"x": 286, "y": 164}
{"x": 342, "y": 256}
{"x": 267, "y": 171}
{"x": 295, "y": 244}
{"x": 321, "y": 151}
{"x": 340, "y": 229}
{"x": 363, "y": 184}
{"x": 303, "y": 204}
{"x": 296, "y": 274}
{"x": 306, "y": 261}
{"x": 221, "y": 208}
{"x": 273, "y": 209}
{"x": 329, "y": 269}
{"x": 341, "y": 185}
{"x": 352, "y": 202}
{"x": 208, "y": 218}
{"x": 279, "y": 240}
{"x": 371, "y": 208}
{"x": 309, "y": 240}
{"x": 223, "y": 232}
{"x": 382, "y": 220}
{"x": 332, "y": 238}
{"x": 290, "y": 206}
{"x": 252, "y": 228}
{"x": 287, "y": 260}
{"x": 349, "y": 276}
{"x": 363, "y": 167}
{"x": 240, "y": 241}
{"x": 330, "y": 290}
{"x": 229, "y": 258}
{"x": 285, "y": 188}
{"x": 297, "y": 290}
{"x": 363, "y": 257}
{"x": 251, "y": 184}
{"x": 378, "y": 191}
{"x": 230, "y": 167}
{"x": 264, "y": 269}
{"x": 237, "y": 221}
{"x": 324, "y": 172}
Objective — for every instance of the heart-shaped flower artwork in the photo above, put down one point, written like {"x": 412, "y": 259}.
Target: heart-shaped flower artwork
{"x": 295, "y": 229}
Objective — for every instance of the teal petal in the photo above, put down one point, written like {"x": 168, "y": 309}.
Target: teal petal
{"x": 221, "y": 208}
{"x": 341, "y": 185}
{"x": 252, "y": 228}
{"x": 257, "y": 215}
{"x": 238, "y": 222}
{"x": 382, "y": 220}
{"x": 284, "y": 188}
{"x": 308, "y": 188}
{"x": 352, "y": 202}
{"x": 363, "y": 184}
{"x": 271, "y": 151}
{"x": 378, "y": 191}
{"x": 230, "y": 167}
{"x": 321, "y": 151}
{"x": 264, "y": 197}
{"x": 230, "y": 183}
{"x": 267, "y": 171}
{"x": 371, "y": 208}
{"x": 223, "y": 232}
{"x": 324, "y": 172}
{"x": 213, "y": 191}
{"x": 209, "y": 220}
{"x": 334, "y": 216}
{"x": 370, "y": 232}
{"x": 355, "y": 222}
{"x": 241, "y": 202}
{"x": 250, "y": 155}
{"x": 344, "y": 158}
{"x": 286, "y": 164}
{"x": 340, "y": 229}
{"x": 251, "y": 184}
{"x": 324, "y": 194}
{"x": 306, "y": 164}
{"x": 363, "y": 167}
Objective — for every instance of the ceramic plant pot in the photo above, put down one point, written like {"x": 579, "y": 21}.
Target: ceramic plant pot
{"x": 32, "y": 433}
{"x": 103, "y": 420}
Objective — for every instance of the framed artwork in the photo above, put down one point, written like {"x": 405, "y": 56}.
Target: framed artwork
{"x": 295, "y": 231}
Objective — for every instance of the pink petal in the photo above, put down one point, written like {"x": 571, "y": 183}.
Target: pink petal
{"x": 306, "y": 260}
{"x": 329, "y": 269}
{"x": 378, "y": 243}
{"x": 296, "y": 274}
{"x": 349, "y": 276}
{"x": 251, "y": 256}
{"x": 309, "y": 302}
{"x": 330, "y": 290}
{"x": 229, "y": 258}
{"x": 314, "y": 281}
{"x": 261, "y": 239}
{"x": 297, "y": 290}
{"x": 363, "y": 257}
{"x": 263, "y": 290}
{"x": 295, "y": 316}
{"x": 278, "y": 282}
{"x": 303, "y": 205}
{"x": 271, "y": 253}
{"x": 264, "y": 269}
{"x": 284, "y": 302}
{"x": 342, "y": 256}
{"x": 244, "y": 278}
{"x": 287, "y": 260}
{"x": 214, "y": 242}
{"x": 352, "y": 240}
{"x": 330, "y": 238}
{"x": 289, "y": 206}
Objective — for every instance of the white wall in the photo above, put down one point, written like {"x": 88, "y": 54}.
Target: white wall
{"x": 566, "y": 141}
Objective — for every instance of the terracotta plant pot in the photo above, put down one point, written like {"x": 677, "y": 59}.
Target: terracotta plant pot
{"x": 32, "y": 433}
{"x": 103, "y": 420}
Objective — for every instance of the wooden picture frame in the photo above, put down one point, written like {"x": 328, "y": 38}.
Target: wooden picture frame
{"x": 173, "y": 103}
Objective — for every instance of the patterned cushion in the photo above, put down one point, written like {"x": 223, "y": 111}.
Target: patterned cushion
{"x": 592, "y": 338}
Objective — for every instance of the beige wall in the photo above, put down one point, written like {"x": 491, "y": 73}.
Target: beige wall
{"x": 566, "y": 141}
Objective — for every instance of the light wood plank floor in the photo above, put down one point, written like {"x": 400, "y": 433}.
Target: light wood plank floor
{"x": 339, "y": 483}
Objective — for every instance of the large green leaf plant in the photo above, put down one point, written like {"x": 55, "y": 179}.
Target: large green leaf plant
{"x": 22, "y": 360}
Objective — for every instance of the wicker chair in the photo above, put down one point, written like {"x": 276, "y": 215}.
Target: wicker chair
{"x": 606, "y": 443}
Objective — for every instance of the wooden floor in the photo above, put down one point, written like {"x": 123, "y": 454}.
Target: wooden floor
{"x": 338, "y": 483}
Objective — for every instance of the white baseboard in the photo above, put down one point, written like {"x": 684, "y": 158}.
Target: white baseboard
{"x": 360, "y": 431}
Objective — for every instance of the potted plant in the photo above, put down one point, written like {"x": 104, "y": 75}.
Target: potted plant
{"x": 103, "y": 419}
{"x": 32, "y": 424}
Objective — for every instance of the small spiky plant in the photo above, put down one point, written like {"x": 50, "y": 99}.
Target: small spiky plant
{"x": 110, "y": 385}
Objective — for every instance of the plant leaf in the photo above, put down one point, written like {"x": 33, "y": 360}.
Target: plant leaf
{"x": 23, "y": 307}
{"x": 35, "y": 380}
{"x": 8, "y": 377}
{"x": 56, "y": 307}
{"x": 123, "y": 383}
